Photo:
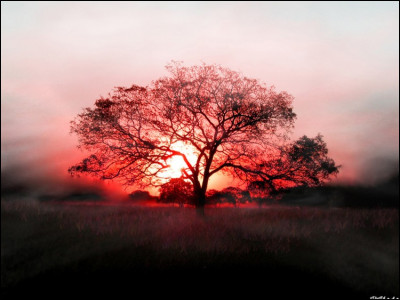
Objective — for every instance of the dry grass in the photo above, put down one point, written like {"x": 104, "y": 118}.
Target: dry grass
{"x": 356, "y": 248}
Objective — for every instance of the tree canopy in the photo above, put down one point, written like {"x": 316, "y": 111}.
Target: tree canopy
{"x": 176, "y": 190}
{"x": 222, "y": 120}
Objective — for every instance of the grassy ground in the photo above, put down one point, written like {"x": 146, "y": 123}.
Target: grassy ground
{"x": 277, "y": 251}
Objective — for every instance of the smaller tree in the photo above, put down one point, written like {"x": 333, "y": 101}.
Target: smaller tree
{"x": 177, "y": 190}
{"x": 236, "y": 195}
{"x": 302, "y": 163}
{"x": 140, "y": 195}
{"x": 231, "y": 195}
{"x": 261, "y": 192}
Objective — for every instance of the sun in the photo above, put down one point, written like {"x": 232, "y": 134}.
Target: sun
{"x": 176, "y": 163}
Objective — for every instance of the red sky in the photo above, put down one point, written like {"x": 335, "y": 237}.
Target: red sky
{"x": 339, "y": 60}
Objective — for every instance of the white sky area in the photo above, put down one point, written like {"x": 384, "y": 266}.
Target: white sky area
{"x": 340, "y": 60}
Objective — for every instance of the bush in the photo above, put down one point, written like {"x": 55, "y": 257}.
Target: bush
{"x": 177, "y": 190}
{"x": 140, "y": 195}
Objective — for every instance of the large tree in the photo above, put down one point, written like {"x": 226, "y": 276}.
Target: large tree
{"x": 226, "y": 122}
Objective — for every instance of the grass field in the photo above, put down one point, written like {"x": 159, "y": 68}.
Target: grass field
{"x": 281, "y": 251}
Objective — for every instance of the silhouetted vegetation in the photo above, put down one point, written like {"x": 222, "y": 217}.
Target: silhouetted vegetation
{"x": 177, "y": 190}
{"x": 140, "y": 196}
{"x": 229, "y": 122}
{"x": 382, "y": 195}
{"x": 230, "y": 195}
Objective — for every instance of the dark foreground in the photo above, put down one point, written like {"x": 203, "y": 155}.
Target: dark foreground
{"x": 50, "y": 250}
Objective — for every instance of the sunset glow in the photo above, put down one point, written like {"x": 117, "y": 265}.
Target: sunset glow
{"x": 177, "y": 163}
{"x": 57, "y": 58}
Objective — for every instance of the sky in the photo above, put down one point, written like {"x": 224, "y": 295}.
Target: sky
{"x": 340, "y": 61}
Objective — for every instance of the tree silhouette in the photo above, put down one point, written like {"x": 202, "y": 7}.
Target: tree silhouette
{"x": 304, "y": 162}
{"x": 232, "y": 195}
{"x": 176, "y": 190}
{"x": 228, "y": 122}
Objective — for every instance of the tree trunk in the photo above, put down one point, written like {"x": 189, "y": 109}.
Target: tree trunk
{"x": 200, "y": 201}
